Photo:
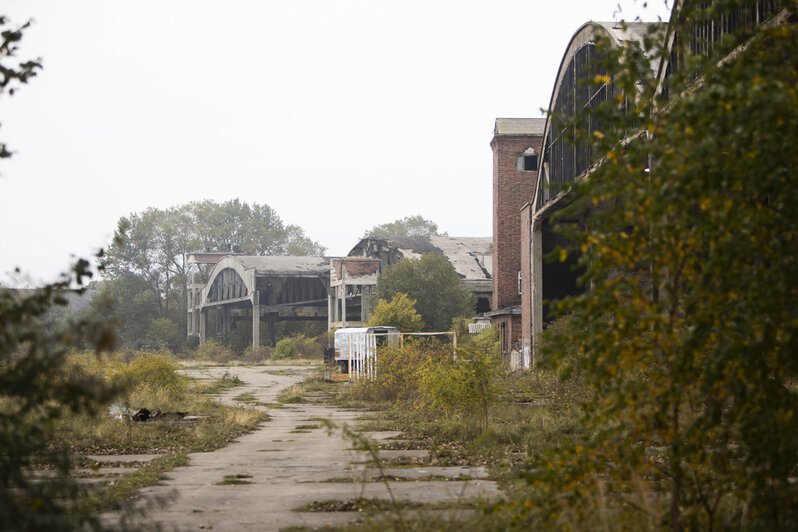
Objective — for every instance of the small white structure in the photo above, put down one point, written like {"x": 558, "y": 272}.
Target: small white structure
{"x": 356, "y": 349}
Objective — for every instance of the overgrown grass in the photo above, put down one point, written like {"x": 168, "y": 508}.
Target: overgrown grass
{"x": 113, "y": 495}
{"x": 153, "y": 383}
{"x": 225, "y": 382}
{"x": 524, "y": 415}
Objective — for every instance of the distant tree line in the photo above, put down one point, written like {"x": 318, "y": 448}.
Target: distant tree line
{"x": 146, "y": 268}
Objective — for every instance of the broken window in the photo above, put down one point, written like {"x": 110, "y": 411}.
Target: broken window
{"x": 527, "y": 161}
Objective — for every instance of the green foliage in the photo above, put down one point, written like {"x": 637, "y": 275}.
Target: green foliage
{"x": 435, "y": 287}
{"x": 151, "y": 378}
{"x": 400, "y": 313}
{"x": 487, "y": 340}
{"x": 163, "y": 333}
{"x": 399, "y": 372}
{"x": 694, "y": 279}
{"x": 37, "y": 387}
{"x": 213, "y": 350}
{"x": 147, "y": 265}
{"x": 465, "y": 383}
{"x": 427, "y": 375}
{"x": 257, "y": 354}
{"x": 285, "y": 348}
{"x": 413, "y": 226}
{"x": 11, "y": 75}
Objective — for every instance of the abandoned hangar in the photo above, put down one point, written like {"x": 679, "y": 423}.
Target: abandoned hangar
{"x": 232, "y": 288}
{"x": 544, "y": 159}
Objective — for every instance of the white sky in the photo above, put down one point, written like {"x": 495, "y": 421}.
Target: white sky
{"x": 338, "y": 114}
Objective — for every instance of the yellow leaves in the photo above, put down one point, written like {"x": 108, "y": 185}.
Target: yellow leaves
{"x": 598, "y": 134}
{"x": 650, "y": 128}
{"x": 601, "y": 79}
{"x": 563, "y": 254}
{"x": 612, "y": 156}
{"x": 689, "y": 130}
{"x": 757, "y": 79}
{"x": 705, "y": 203}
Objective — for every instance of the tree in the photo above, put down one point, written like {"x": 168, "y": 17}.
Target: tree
{"x": 688, "y": 245}
{"x": 434, "y": 285}
{"x": 153, "y": 246}
{"x": 414, "y": 226}
{"x": 35, "y": 386}
{"x": 400, "y": 312}
{"x": 13, "y": 75}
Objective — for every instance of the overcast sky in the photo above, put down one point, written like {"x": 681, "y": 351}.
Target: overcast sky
{"x": 338, "y": 114}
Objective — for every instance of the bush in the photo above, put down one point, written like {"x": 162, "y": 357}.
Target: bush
{"x": 285, "y": 348}
{"x": 310, "y": 347}
{"x": 257, "y": 354}
{"x": 151, "y": 377}
{"x": 467, "y": 383}
{"x": 213, "y": 350}
{"x": 400, "y": 313}
{"x": 164, "y": 333}
{"x": 487, "y": 340}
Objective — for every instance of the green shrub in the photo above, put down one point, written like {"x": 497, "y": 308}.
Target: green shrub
{"x": 164, "y": 333}
{"x": 309, "y": 347}
{"x": 285, "y": 348}
{"x": 257, "y": 354}
{"x": 487, "y": 340}
{"x": 400, "y": 312}
{"x": 213, "y": 350}
{"x": 467, "y": 383}
{"x": 152, "y": 377}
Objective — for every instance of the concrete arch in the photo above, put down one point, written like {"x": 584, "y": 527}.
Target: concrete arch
{"x": 231, "y": 263}
{"x": 567, "y": 95}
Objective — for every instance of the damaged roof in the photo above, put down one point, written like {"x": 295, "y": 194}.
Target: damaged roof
{"x": 285, "y": 264}
{"x": 471, "y": 257}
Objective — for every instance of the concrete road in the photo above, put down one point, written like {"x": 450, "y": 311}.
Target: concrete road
{"x": 284, "y": 466}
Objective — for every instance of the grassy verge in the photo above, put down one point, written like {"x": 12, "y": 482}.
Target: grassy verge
{"x": 534, "y": 412}
{"x": 194, "y": 422}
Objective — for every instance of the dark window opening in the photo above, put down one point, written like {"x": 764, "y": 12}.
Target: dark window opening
{"x": 527, "y": 161}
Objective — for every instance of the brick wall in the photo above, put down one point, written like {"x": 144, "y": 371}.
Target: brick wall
{"x": 511, "y": 190}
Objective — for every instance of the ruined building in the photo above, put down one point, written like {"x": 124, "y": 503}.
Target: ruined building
{"x": 516, "y": 148}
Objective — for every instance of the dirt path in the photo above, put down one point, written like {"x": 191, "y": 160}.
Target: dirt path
{"x": 282, "y": 465}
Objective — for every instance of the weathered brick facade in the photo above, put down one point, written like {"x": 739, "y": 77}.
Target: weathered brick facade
{"x": 513, "y": 186}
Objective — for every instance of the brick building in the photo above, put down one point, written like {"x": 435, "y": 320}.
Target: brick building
{"x": 516, "y": 145}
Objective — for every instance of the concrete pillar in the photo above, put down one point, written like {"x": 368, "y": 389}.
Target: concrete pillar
{"x": 343, "y": 304}
{"x": 537, "y": 291}
{"x": 255, "y": 319}
{"x": 203, "y": 325}
{"x": 364, "y": 303}
{"x": 330, "y": 310}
